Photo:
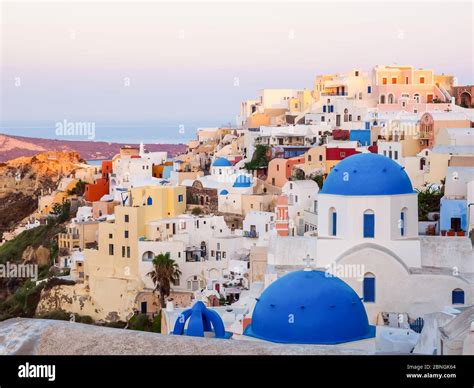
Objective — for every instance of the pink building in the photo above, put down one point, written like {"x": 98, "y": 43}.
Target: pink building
{"x": 410, "y": 89}
{"x": 282, "y": 219}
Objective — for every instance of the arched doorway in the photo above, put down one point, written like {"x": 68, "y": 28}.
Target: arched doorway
{"x": 466, "y": 100}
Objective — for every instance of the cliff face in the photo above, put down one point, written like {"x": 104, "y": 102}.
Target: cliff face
{"x": 23, "y": 179}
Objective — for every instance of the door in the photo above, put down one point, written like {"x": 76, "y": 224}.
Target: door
{"x": 143, "y": 307}
{"x": 456, "y": 224}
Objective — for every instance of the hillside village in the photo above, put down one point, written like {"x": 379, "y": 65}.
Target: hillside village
{"x": 365, "y": 176}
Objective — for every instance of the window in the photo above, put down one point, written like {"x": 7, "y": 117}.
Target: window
{"x": 320, "y": 158}
{"x": 212, "y": 253}
{"x": 369, "y": 288}
{"x": 391, "y": 99}
{"x": 406, "y": 80}
{"x": 223, "y": 255}
{"x": 125, "y": 234}
{"x": 309, "y": 158}
{"x": 323, "y": 119}
{"x": 395, "y": 155}
{"x": 149, "y": 201}
{"x": 416, "y": 97}
{"x": 218, "y": 246}
{"x": 123, "y": 251}
{"x": 382, "y": 99}
{"x": 369, "y": 224}
{"x": 324, "y": 108}
{"x": 332, "y": 222}
{"x": 422, "y": 80}
{"x": 402, "y": 221}
{"x": 111, "y": 235}
{"x": 357, "y": 73}
{"x": 126, "y": 218}
{"x": 278, "y": 167}
{"x": 394, "y": 80}
{"x": 128, "y": 252}
{"x": 384, "y": 80}
{"x": 457, "y": 296}
{"x": 369, "y": 89}
{"x": 111, "y": 249}
{"x": 180, "y": 198}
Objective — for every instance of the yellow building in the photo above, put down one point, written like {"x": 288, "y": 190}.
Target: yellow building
{"x": 111, "y": 272}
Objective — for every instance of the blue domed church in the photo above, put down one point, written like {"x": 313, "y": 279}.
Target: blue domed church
{"x": 367, "y": 235}
{"x": 309, "y": 307}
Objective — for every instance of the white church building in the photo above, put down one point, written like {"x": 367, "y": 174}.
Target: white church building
{"x": 368, "y": 236}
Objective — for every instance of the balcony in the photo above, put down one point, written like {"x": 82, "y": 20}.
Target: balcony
{"x": 250, "y": 234}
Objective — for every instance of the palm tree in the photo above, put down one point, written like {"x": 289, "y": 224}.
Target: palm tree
{"x": 165, "y": 271}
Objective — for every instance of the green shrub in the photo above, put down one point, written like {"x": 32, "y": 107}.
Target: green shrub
{"x": 156, "y": 324}
{"x": 42, "y": 235}
{"x": 197, "y": 211}
{"x": 259, "y": 158}
{"x": 115, "y": 325}
{"x": 84, "y": 319}
{"x": 59, "y": 315}
{"x": 140, "y": 322}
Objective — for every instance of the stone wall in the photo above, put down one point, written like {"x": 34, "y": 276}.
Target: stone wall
{"x": 447, "y": 252}
{"x": 47, "y": 337}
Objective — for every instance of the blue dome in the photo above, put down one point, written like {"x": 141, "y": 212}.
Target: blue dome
{"x": 224, "y": 192}
{"x": 367, "y": 174}
{"x": 221, "y": 162}
{"x": 308, "y": 307}
{"x": 243, "y": 181}
{"x": 201, "y": 320}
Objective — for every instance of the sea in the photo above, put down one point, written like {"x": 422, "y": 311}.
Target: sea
{"x": 148, "y": 132}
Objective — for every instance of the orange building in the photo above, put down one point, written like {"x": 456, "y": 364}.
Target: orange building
{"x": 95, "y": 191}
{"x": 279, "y": 170}
{"x": 157, "y": 169}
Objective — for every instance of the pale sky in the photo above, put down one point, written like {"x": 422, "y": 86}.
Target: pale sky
{"x": 73, "y": 60}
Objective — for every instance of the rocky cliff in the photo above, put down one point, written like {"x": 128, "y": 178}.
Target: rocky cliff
{"x": 23, "y": 179}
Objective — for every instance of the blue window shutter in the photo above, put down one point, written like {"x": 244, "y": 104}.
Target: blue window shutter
{"x": 458, "y": 297}
{"x": 369, "y": 289}
{"x": 332, "y": 108}
{"x": 369, "y": 89}
{"x": 369, "y": 225}
{"x": 334, "y": 224}
{"x": 402, "y": 226}
{"x": 324, "y": 108}
{"x": 149, "y": 201}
